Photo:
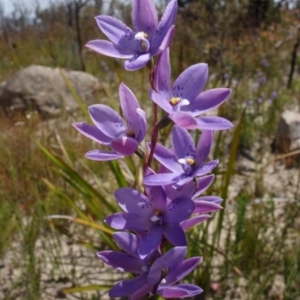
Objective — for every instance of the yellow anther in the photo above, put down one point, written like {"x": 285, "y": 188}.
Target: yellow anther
{"x": 190, "y": 161}
{"x": 174, "y": 101}
{"x": 130, "y": 133}
{"x": 145, "y": 35}
{"x": 158, "y": 212}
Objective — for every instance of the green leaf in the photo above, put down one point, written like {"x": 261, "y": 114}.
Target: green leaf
{"x": 80, "y": 289}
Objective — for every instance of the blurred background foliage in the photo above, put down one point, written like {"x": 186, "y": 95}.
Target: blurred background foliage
{"x": 252, "y": 246}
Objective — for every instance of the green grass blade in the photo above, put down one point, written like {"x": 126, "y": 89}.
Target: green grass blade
{"x": 87, "y": 288}
{"x": 230, "y": 172}
{"x": 118, "y": 173}
{"x": 75, "y": 95}
{"x": 75, "y": 177}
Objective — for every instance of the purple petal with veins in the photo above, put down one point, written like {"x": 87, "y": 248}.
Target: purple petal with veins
{"x": 187, "y": 224}
{"x": 190, "y": 82}
{"x": 203, "y": 183}
{"x": 205, "y": 207}
{"x": 133, "y": 201}
{"x": 124, "y": 145}
{"x": 137, "y": 62}
{"x": 118, "y": 33}
{"x": 102, "y": 155}
{"x": 107, "y": 120}
{"x": 214, "y": 199}
{"x": 183, "y": 143}
{"x": 122, "y": 261}
{"x": 128, "y": 221}
{"x": 213, "y": 123}
{"x": 93, "y": 133}
{"x": 110, "y": 49}
{"x": 208, "y": 100}
{"x": 175, "y": 234}
{"x": 150, "y": 241}
{"x": 127, "y": 241}
{"x": 144, "y": 16}
{"x": 204, "y": 147}
{"x": 179, "y": 291}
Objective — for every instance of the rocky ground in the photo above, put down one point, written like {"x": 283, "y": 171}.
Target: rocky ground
{"x": 64, "y": 264}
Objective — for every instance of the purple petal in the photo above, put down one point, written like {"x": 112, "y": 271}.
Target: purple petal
{"x": 206, "y": 168}
{"x": 140, "y": 135}
{"x": 179, "y": 291}
{"x": 182, "y": 182}
{"x": 178, "y": 210}
{"x": 213, "y": 123}
{"x": 142, "y": 291}
{"x": 122, "y": 261}
{"x": 107, "y": 120}
{"x": 150, "y": 241}
{"x": 214, "y": 199}
{"x": 167, "y": 158}
{"x": 137, "y": 62}
{"x": 157, "y": 197}
{"x": 181, "y": 270}
{"x": 127, "y": 242}
{"x": 204, "y": 147}
{"x": 102, "y": 155}
{"x": 187, "y": 224}
{"x": 184, "y": 119}
{"x": 175, "y": 234}
{"x": 206, "y": 207}
{"x": 130, "y": 286}
{"x": 167, "y": 261}
{"x": 93, "y": 133}
{"x": 129, "y": 105}
{"x": 162, "y": 96}
{"x": 110, "y": 49}
{"x": 144, "y": 16}
{"x": 207, "y": 100}
{"x": 186, "y": 191}
{"x": 162, "y": 179}
{"x": 134, "y": 202}
{"x": 124, "y": 145}
{"x": 165, "y": 43}
{"x": 166, "y": 22}
{"x": 190, "y": 82}
{"x": 183, "y": 143}
{"x": 128, "y": 221}
{"x": 118, "y": 33}
{"x": 203, "y": 183}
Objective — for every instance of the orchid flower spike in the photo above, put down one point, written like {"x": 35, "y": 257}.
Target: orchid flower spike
{"x": 147, "y": 39}
{"x": 184, "y": 101}
{"x": 186, "y": 162}
{"x": 157, "y": 270}
{"x": 111, "y": 130}
{"x": 152, "y": 214}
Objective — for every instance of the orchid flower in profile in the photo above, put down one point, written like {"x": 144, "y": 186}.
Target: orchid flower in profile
{"x": 186, "y": 161}
{"x": 185, "y": 101}
{"x": 157, "y": 271}
{"x": 111, "y": 130}
{"x": 153, "y": 215}
{"x": 148, "y": 38}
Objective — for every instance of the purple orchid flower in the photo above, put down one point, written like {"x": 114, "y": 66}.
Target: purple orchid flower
{"x": 186, "y": 162}
{"x": 136, "y": 46}
{"x": 161, "y": 271}
{"x": 185, "y": 101}
{"x": 110, "y": 129}
{"x": 153, "y": 215}
{"x": 203, "y": 204}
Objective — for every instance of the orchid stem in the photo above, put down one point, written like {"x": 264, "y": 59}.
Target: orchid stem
{"x": 154, "y": 136}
